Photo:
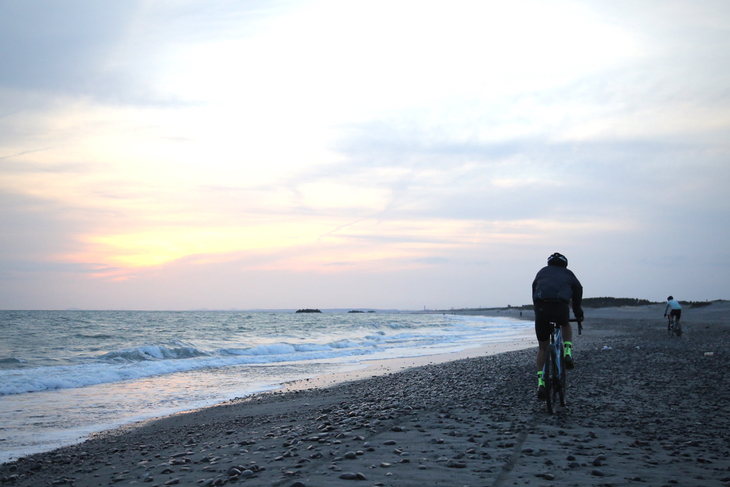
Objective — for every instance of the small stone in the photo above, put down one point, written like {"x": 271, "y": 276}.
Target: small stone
{"x": 350, "y": 455}
{"x": 348, "y": 476}
{"x": 548, "y": 476}
{"x": 597, "y": 473}
{"x": 298, "y": 484}
{"x": 455, "y": 464}
{"x": 389, "y": 442}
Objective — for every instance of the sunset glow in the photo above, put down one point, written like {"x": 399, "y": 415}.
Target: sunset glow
{"x": 334, "y": 141}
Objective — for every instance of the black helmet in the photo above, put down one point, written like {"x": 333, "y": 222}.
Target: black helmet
{"x": 558, "y": 259}
{"x": 670, "y": 298}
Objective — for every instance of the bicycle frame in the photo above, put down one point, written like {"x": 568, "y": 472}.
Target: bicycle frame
{"x": 554, "y": 369}
{"x": 556, "y": 344}
{"x": 673, "y": 326}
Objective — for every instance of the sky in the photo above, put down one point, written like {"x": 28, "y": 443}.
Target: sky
{"x": 179, "y": 154}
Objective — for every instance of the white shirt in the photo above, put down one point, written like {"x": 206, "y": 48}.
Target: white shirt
{"x": 672, "y": 304}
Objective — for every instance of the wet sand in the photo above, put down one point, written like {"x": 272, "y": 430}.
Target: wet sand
{"x": 643, "y": 409}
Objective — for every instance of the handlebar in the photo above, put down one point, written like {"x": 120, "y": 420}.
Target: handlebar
{"x": 580, "y": 324}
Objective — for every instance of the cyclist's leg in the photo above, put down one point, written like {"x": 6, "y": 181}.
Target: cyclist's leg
{"x": 677, "y": 314}
{"x": 567, "y": 331}
{"x": 542, "y": 347}
{"x": 541, "y": 355}
{"x": 543, "y": 327}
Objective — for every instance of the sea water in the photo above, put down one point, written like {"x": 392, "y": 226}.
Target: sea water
{"x": 67, "y": 374}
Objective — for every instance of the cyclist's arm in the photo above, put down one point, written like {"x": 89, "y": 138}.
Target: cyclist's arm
{"x": 577, "y": 299}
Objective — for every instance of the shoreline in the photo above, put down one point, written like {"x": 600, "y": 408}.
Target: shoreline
{"x": 378, "y": 367}
{"x": 350, "y": 371}
{"x": 470, "y": 421}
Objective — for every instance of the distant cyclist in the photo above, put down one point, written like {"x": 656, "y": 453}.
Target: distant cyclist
{"x": 554, "y": 287}
{"x": 673, "y": 310}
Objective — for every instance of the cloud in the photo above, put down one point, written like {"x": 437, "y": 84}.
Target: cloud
{"x": 58, "y": 45}
{"x": 329, "y": 142}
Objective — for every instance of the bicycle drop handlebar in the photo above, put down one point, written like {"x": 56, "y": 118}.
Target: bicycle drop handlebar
{"x": 580, "y": 324}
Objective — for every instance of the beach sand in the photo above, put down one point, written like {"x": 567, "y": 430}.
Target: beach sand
{"x": 642, "y": 409}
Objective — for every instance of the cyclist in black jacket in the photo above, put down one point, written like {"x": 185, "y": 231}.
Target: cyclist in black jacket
{"x": 554, "y": 287}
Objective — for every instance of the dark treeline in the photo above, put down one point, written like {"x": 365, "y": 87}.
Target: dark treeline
{"x": 607, "y": 302}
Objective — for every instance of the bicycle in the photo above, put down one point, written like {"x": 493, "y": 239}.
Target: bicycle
{"x": 673, "y": 328}
{"x": 554, "y": 371}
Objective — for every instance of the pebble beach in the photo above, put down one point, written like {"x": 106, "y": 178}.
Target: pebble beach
{"x": 642, "y": 408}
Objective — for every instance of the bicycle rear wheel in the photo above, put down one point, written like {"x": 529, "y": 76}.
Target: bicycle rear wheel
{"x": 560, "y": 374}
{"x": 549, "y": 377}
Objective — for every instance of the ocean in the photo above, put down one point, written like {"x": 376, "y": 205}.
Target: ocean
{"x": 67, "y": 374}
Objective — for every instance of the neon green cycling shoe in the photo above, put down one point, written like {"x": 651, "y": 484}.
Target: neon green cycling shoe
{"x": 569, "y": 363}
{"x": 541, "y": 393}
{"x": 568, "y": 355}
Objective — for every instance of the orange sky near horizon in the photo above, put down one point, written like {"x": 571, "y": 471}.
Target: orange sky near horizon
{"x": 331, "y": 140}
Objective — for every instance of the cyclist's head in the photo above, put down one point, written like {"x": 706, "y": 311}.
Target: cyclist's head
{"x": 558, "y": 260}
{"x": 670, "y": 298}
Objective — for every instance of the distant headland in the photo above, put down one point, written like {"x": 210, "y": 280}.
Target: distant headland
{"x": 307, "y": 310}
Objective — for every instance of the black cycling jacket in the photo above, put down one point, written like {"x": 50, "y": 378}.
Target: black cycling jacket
{"x": 555, "y": 283}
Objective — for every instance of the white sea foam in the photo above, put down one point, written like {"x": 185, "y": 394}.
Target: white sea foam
{"x": 96, "y": 369}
